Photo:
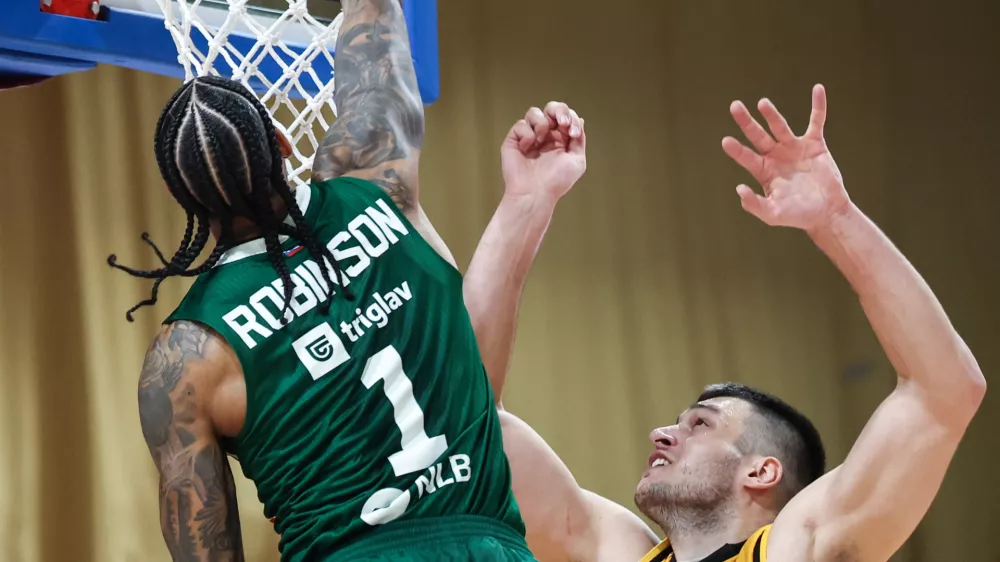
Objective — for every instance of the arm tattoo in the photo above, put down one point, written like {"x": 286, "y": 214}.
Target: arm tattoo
{"x": 381, "y": 122}
{"x": 198, "y": 512}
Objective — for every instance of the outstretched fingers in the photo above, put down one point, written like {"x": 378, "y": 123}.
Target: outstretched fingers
{"x": 753, "y": 131}
{"x": 750, "y": 160}
{"x": 817, "y": 119}
{"x": 775, "y": 121}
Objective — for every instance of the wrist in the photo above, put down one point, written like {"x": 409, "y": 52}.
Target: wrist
{"x": 529, "y": 202}
{"x": 840, "y": 223}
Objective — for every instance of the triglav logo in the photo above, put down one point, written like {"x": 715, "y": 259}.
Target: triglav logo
{"x": 320, "y": 350}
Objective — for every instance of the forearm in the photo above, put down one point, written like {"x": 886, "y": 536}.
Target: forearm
{"x": 199, "y": 517}
{"x": 373, "y": 55}
{"x": 380, "y": 124}
{"x": 909, "y": 321}
{"x": 184, "y": 545}
{"x": 496, "y": 277}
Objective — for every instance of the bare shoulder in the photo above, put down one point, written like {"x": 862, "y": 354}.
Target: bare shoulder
{"x": 186, "y": 360}
{"x": 199, "y": 517}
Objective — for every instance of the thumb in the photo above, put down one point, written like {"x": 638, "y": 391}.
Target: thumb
{"x": 756, "y": 205}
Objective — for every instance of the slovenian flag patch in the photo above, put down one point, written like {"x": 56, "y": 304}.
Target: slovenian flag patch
{"x": 293, "y": 251}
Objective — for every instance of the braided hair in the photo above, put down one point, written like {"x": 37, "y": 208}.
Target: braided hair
{"x": 219, "y": 155}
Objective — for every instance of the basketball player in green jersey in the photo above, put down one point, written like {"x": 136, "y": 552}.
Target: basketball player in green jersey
{"x": 325, "y": 342}
{"x": 738, "y": 476}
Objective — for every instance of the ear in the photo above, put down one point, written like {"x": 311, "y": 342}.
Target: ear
{"x": 283, "y": 144}
{"x": 765, "y": 473}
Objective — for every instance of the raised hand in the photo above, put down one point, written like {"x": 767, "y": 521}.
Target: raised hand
{"x": 545, "y": 153}
{"x": 802, "y": 186}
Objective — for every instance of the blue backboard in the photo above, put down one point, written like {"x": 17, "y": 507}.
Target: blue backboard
{"x": 131, "y": 33}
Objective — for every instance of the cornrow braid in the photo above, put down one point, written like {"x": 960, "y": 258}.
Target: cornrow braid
{"x": 315, "y": 248}
{"x": 304, "y": 235}
{"x": 219, "y": 155}
{"x": 156, "y": 250}
{"x": 181, "y": 260}
{"x": 199, "y": 243}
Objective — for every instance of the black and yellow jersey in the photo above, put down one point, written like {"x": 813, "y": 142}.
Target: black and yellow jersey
{"x": 753, "y": 549}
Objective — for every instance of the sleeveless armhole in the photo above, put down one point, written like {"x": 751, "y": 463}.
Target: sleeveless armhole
{"x": 228, "y": 444}
{"x": 760, "y": 544}
{"x": 382, "y": 195}
{"x": 660, "y": 552}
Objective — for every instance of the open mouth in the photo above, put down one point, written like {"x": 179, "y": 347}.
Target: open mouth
{"x": 658, "y": 458}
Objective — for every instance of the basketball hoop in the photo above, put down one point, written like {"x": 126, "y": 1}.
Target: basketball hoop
{"x": 277, "y": 48}
{"x": 204, "y": 47}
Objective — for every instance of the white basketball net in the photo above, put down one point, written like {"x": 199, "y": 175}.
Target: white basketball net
{"x": 184, "y": 18}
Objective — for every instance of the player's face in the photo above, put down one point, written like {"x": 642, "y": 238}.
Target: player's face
{"x": 695, "y": 462}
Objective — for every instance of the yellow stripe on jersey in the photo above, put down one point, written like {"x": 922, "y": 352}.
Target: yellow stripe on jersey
{"x": 753, "y": 549}
{"x": 659, "y": 552}
{"x": 762, "y": 544}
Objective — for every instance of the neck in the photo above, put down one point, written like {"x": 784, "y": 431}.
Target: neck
{"x": 696, "y": 533}
{"x": 244, "y": 229}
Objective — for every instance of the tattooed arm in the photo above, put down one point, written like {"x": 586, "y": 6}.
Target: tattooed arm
{"x": 380, "y": 129}
{"x": 198, "y": 514}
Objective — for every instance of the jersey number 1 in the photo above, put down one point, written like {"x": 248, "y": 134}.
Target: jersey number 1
{"x": 418, "y": 450}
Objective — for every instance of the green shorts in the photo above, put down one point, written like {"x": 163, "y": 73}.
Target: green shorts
{"x": 461, "y": 538}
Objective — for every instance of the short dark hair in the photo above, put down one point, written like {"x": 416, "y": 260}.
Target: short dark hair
{"x": 778, "y": 430}
{"x": 219, "y": 155}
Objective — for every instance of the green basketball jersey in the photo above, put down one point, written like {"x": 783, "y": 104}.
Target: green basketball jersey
{"x": 379, "y": 410}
